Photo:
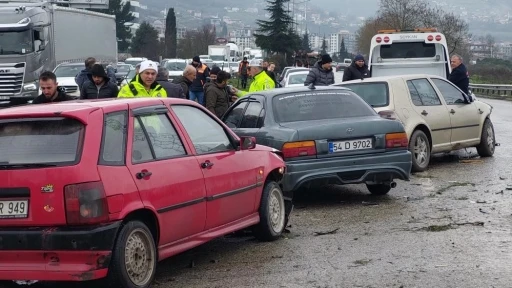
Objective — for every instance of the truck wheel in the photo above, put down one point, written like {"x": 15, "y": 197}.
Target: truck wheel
{"x": 134, "y": 258}
{"x": 487, "y": 140}
{"x": 272, "y": 213}
{"x": 420, "y": 150}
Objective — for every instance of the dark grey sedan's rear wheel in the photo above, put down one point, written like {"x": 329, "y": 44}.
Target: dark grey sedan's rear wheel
{"x": 378, "y": 189}
{"x": 420, "y": 150}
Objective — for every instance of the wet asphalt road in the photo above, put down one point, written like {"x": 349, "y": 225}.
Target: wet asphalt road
{"x": 448, "y": 227}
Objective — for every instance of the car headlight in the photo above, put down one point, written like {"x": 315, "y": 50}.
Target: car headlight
{"x": 30, "y": 87}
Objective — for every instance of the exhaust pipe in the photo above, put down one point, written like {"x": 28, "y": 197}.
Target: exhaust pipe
{"x": 391, "y": 184}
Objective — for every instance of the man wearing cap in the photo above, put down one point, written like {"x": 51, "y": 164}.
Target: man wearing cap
{"x": 196, "y": 90}
{"x": 261, "y": 81}
{"x": 144, "y": 84}
{"x": 358, "y": 70}
{"x": 321, "y": 74}
{"x": 99, "y": 85}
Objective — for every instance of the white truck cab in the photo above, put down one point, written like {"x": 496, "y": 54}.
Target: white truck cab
{"x": 405, "y": 52}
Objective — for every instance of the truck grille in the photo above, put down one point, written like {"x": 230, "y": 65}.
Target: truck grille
{"x": 11, "y": 83}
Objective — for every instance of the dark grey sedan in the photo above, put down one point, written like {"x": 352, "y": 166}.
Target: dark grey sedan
{"x": 327, "y": 135}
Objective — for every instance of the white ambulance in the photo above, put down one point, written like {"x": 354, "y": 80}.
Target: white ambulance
{"x": 404, "y": 52}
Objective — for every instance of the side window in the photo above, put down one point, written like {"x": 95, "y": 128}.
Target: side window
{"x": 155, "y": 138}
{"x": 113, "y": 144}
{"x": 450, "y": 94}
{"x": 426, "y": 92}
{"x": 234, "y": 117}
{"x": 207, "y": 135}
{"x": 252, "y": 115}
{"x": 415, "y": 95}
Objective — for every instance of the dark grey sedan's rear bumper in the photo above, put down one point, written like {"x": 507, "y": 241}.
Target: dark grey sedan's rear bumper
{"x": 381, "y": 167}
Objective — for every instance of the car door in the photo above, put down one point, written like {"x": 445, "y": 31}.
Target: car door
{"x": 166, "y": 173}
{"x": 428, "y": 106}
{"x": 464, "y": 116}
{"x": 230, "y": 174}
{"x": 251, "y": 121}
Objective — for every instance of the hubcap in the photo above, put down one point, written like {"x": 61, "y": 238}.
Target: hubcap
{"x": 276, "y": 210}
{"x": 490, "y": 138}
{"x": 139, "y": 257}
{"x": 421, "y": 151}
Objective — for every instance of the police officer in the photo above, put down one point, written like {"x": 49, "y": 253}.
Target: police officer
{"x": 144, "y": 84}
{"x": 260, "y": 79}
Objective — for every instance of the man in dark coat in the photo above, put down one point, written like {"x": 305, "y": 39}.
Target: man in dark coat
{"x": 185, "y": 80}
{"x": 83, "y": 76}
{"x": 321, "y": 74}
{"x": 217, "y": 96}
{"x": 51, "y": 91}
{"x": 173, "y": 90}
{"x": 459, "y": 76}
{"x": 99, "y": 85}
{"x": 358, "y": 70}
{"x": 196, "y": 90}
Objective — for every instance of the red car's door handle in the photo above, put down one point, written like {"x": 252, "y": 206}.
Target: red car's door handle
{"x": 143, "y": 174}
{"x": 206, "y": 164}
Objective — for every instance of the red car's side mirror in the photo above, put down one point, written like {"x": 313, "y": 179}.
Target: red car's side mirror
{"x": 247, "y": 143}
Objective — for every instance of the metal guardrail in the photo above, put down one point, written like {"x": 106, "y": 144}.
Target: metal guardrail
{"x": 491, "y": 90}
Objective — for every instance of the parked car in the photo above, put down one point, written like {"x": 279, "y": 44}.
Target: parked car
{"x": 295, "y": 78}
{"x": 436, "y": 114}
{"x": 66, "y": 73}
{"x": 288, "y": 71}
{"x": 122, "y": 71}
{"x": 106, "y": 188}
{"x": 328, "y": 135}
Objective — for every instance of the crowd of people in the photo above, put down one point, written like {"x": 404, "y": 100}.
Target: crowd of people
{"x": 208, "y": 86}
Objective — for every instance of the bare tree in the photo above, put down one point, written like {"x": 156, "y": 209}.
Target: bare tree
{"x": 196, "y": 42}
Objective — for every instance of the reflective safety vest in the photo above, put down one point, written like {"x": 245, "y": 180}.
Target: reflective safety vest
{"x": 136, "y": 89}
{"x": 260, "y": 82}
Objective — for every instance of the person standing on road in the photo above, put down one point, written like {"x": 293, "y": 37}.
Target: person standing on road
{"x": 85, "y": 74}
{"x": 51, "y": 91}
{"x": 358, "y": 70}
{"x": 99, "y": 85}
{"x": 261, "y": 81}
{"x": 460, "y": 75}
{"x": 185, "y": 80}
{"x": 145, "y": 84}
{"x": 196, "y": 91}
{"x": 217, "y": 96}
{"x": 270, "y": 72}
{"x": 173, "y": 90}
{"x": 243, "y": 72}
{"x": 321, "y": 74}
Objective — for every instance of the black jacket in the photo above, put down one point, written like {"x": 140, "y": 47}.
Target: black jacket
{"x": 184, "y": 83}
{"x": 91, "y": 91}
{"x": 460, "y": 78}
{"x": 319, "y": 76}
{"x": 203, "y": 72}
{"x": 354, "y": 72}
{"x": 61, "y": 96}
{"x": 173, "y": 90}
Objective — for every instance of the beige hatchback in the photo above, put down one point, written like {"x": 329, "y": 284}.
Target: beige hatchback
{"x": 437, "y": 116}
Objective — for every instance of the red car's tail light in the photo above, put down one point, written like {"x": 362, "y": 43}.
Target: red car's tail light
{"x": 298, "y": 149}
{"x": 396, "y": 140}
{"x": 86, "y": 203}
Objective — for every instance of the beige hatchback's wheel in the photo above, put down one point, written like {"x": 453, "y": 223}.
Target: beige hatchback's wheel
{"x": 139, "y": 257}
{"x": 420, "y": 150}
{"x": 134, "y": 258}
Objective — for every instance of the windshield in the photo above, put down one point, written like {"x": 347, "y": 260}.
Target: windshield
{"x": 132, "y": 62}
{"x": 20, "y": 42}
{"x": 123, "y": 68}
{"x": 41, "y": 141}
{"x": 376, "y": 94}
{"x": 297, "y": 79}
{"x": 68, "y": 70}
{"x": 408, "y": 50}
{"x": 131, "y": 75}
{"x": 175, "y": 66}
{"x": 233, "y": 64}
{"x": 319, "y": 105}
{"x": 217, "y": 57}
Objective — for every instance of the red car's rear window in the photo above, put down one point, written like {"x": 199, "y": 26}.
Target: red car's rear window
{"x": 40, "y": 141}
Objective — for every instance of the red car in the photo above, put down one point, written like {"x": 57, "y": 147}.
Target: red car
{"x": 94, "y": 189}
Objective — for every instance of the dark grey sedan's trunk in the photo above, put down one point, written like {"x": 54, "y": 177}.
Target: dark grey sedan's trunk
{"x": 349, "y": 136}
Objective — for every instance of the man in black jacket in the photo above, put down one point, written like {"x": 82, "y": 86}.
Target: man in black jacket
{"x": 173, "y": 90}
{"x": 196, "y": 90}
{"x": 358, "y": 70}
{"x": 459, "y": 76}
{"x": 99, "y": 85}
{"x": 51, "y": 91}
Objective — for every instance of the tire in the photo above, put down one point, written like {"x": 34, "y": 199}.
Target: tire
{"x": 133, "y": 237}
{"x": 487, "y": 140}
{"x": 272, "y": 213}
{"x": 378, "y": 189}
{"x": 420, "y": 150}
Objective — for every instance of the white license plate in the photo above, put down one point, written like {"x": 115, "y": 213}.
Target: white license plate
{"x": 357, "y": 144}
{"x": 5, "y": 97}
{"x": 14, "y": 209}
